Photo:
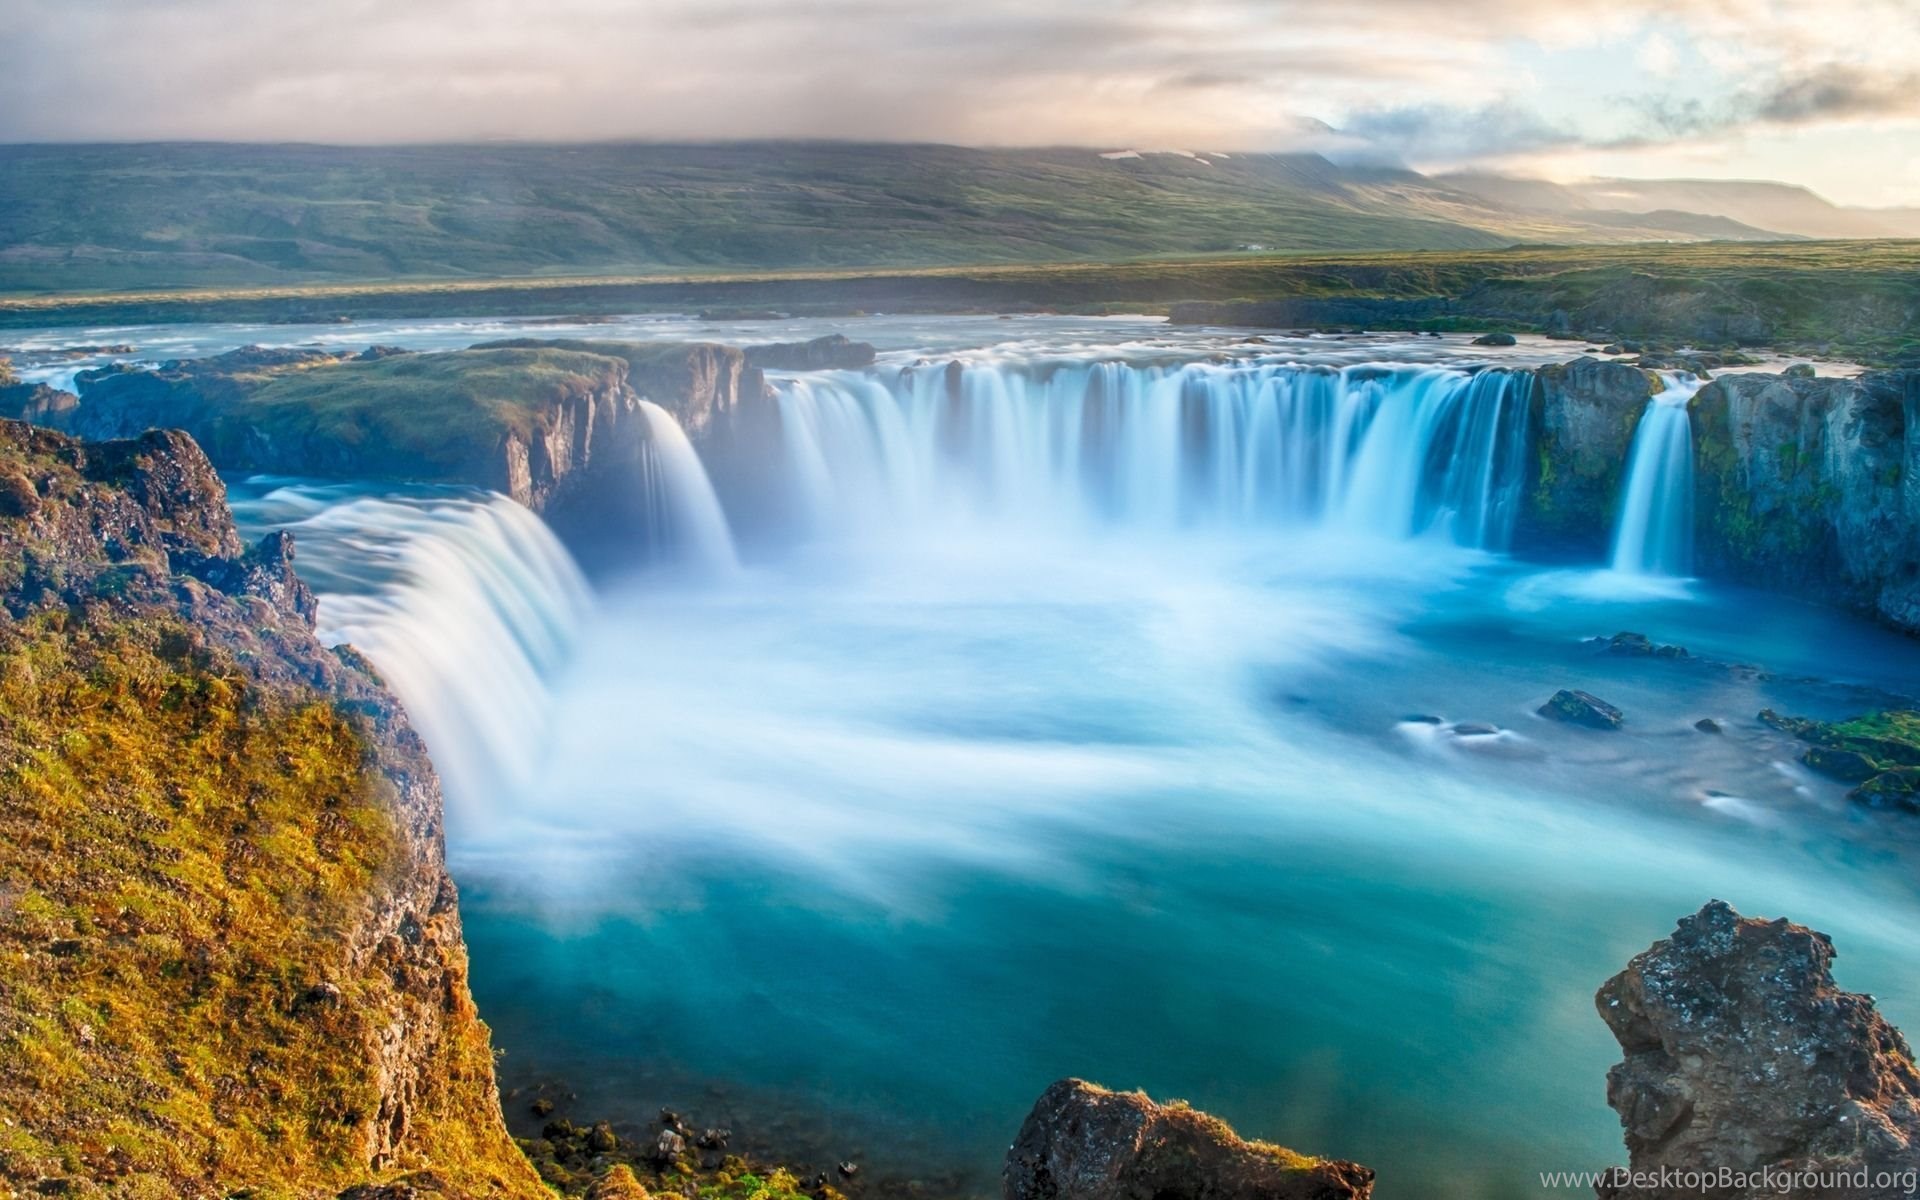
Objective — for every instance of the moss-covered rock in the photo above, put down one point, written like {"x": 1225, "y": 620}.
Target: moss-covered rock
{"x": 1880, "y": 752}
{"x": 230, "y": 956}
{"x": 1807, "y": 486}
{"x": 1083, "y": 1142}
{"x": 1584, "y": 416}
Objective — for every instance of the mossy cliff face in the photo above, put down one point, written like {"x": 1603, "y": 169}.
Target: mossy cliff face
{"x": 230, "y": 956}
{"x": 1584, "y": 416}
{"x": 557, "y": 425}
{"x": 1809, "y": 486}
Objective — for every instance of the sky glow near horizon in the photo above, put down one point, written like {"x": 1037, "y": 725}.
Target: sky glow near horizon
{"x": 1823, "y": 93}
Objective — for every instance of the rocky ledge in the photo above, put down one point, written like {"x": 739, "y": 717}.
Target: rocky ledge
{"x": 234, "y": 957}
{"x": 1748, "y": 1073}
{"x": 1083, "y": 1142}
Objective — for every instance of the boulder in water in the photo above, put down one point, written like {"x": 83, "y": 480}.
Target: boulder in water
{"x": 1742, "y": 1057}
{"x": 1639, "y": 645}
{"x": 1083, "y": 1142}
{"x": 1880, "y": 752}
{"x": 1582, "y": 708}
{"x": 1496, "y": 339}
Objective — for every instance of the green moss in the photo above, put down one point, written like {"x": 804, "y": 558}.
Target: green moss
{"x": 1879, "y": 751}
{"x": 178, "y": 856}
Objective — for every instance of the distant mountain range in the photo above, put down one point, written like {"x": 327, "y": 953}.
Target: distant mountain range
{"x": 108, "y": 217}
{"x": 1780, "y": 207}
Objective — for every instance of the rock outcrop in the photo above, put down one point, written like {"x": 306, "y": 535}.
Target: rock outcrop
{"x": 1879, "y": 752}
{"x": 1581, "y": 708}
{"x": 832, "y": 352}
{"x": 1584, "y": 416}
{"x": 1748, "y": 1073}
{"x": 233, "y": 954}
{"x": 701, "y": 383}
{"x": 1812, "y": 486}
{"x": 1083, "y": 1142}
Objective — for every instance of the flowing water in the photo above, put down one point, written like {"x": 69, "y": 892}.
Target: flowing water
{"x": 1103, "y": 710}
{"x": 1654, "y": 535}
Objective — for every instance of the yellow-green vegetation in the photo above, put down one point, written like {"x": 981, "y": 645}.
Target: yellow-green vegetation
{"x": 229, "y": 959}
{"x": 179, "y": 853}
{"x": 595, "y": 1163}
{"x": 178, "y": 861}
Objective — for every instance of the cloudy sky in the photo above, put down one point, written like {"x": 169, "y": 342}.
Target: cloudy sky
{"x": 1820, "y": 92}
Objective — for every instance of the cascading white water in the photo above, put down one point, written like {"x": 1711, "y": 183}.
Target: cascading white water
{"x": 467, "y": 605}
{"x": 1389, "y": 451}
{"x": 684, "y": 522}
{"x": 1654, "y": 533}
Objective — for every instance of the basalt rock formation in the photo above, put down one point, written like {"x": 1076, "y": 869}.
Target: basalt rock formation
{"x": 1748, "y": 1073}
{"x": 232, "y": 959}
{"x": 1812, "y": 486}
{"x": 1083, "y": 1142}
{"x": 1584, "y": 416}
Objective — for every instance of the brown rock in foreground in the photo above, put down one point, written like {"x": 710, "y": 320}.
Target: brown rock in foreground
{"x": 1083, "y": 1142}
{"x": 1748, "y": 1073}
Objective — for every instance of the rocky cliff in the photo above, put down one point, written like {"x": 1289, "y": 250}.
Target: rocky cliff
{"x": 1584, "y": 416}
{"x": 233, "y": 956}
{"x": 1748, "y": 1073}
{"x": 1812, "y": 486}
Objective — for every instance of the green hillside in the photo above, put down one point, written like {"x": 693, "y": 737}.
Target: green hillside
{"x": 106, "y": 217}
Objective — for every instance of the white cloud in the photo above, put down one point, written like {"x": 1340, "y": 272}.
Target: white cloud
{"x": 1459, "y": 76}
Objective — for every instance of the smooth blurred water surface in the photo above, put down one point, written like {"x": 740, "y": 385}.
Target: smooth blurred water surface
{"x": 973, "y": 780}
{"x": 858, "y": 854}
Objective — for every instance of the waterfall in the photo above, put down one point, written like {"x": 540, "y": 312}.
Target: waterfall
{"x": 1654, "y": 533}
{"x": 684, "y": 521}
{"x": 1392, "y": 451}
{"x": 468, "y": 606}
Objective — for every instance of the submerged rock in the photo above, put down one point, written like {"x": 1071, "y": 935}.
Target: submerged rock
{"x": 1083, "y": 1142}
{"x": 1582, "y": 708}
{"x": 1743, "y": 1057}
{"x": 1639, "y": 645}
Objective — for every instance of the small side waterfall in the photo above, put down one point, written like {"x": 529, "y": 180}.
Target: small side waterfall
{"x": 1654, "y": 533}
{"x": 1389, "y": 451}
{"x": 685, "y": 524}
{"x": 467, "y": 604}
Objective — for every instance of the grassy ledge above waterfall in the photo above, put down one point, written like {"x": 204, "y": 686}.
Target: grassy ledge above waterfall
{"x": 230, "y": 959}
{"x": 431, "y": 417}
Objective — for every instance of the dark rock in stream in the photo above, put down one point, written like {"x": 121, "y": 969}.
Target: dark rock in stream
{"x": 1746, "y": 1065}
{"x": 1496, "y": 339}
{"x": 1083, "y": 1142}
{"x": 1880, "y": 752}
{"x": 1639, "y": 645}
{"x": 1709, "y": 725}
{"x": 1582, "y": 708}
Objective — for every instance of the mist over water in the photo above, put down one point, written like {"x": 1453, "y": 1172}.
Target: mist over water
{"x": 1165, "y": 723}
{"x": 466, "y": 603}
